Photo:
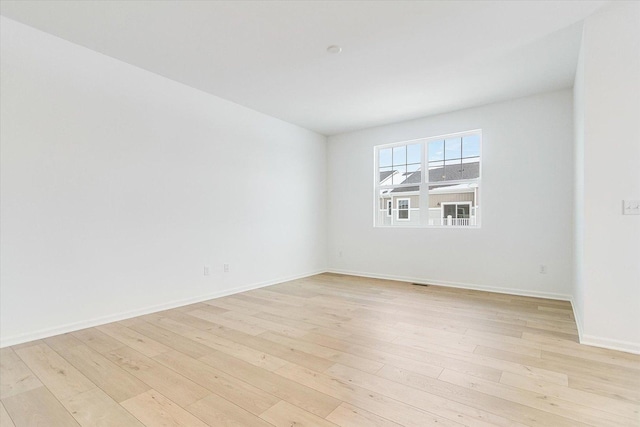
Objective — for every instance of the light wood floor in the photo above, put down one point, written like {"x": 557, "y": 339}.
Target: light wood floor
{"x": 324, "y": 351}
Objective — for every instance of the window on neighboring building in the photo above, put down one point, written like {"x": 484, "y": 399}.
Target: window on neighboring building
{"x": 403, "y": 209}
{"x": 446, "y": 195}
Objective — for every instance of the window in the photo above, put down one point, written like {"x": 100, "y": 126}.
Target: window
{"x": 447, "y": 195}
{"x": 456, "y": 213}
{"x": 403, "y": 209}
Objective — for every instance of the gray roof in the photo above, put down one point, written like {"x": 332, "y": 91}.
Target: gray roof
{"x": 385, "y": 174}
{"x": 450, "y": 173}
{"x": 455, "y": 172}
{"x": 412, "y": 178}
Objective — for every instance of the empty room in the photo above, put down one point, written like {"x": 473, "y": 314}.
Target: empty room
{"x": 319, "y": 213}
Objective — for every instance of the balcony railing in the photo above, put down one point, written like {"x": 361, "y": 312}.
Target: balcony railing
{"x": 455, "y": 222}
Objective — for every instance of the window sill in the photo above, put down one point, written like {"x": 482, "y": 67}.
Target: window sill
{"x": 457, "y": 227}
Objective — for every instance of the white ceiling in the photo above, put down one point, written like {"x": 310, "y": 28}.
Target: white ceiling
{"x": 400, "y": 60}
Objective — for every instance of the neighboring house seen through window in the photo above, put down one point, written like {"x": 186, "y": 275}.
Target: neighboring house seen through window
{"x": 446, "y": 196}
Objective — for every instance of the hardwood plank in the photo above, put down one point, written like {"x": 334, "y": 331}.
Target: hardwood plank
{"x": 518, "y": 413}
{"x": 333, "y": 355}
{"x": 95, "y": 408}
{"x": 171, "y": 339}
{"x": 347, "y": 415}
{"x": 242, "y": 394}
{"x": 164, "y": 380}
{"x": 133, "y": 339}
{"x": 284, "y": 414}
{"x": 154, "y": 409}
{"x": 297, "y": 394}
{"x": 277, "y": 315}
{"x": 558, "y": 346}
{"x": 60, "y": 377}
{"x": 37, "y": 407}
{"x": 607, "y": 404}
{"x": 114, "y": 381}
{"x": 427, "y": 364}
{"x": 371, "y": 401}
{"x": 269, "y": 325}
{"x": 184, "y": 318}
{"x": 605, "y": 382}
{"x": 15, "y": 376}
{"x": 500, "y": 342}
{"x": 615, "y": 391}
{"x": 430, "y": 402}
{"x": 5, "y": 419}
{"x": 579, "y": 414}
{"x": 218, "y": 342}
{"x": 429, "y": 351}
{"x": 257, "y": 303}
{"x": 203, "y": 304}
{"x": 97, "y": 340}
{"x": 26, "y": 344}
{"x": 243, "y": 326}
{"x": 223, "y": 305}
{"x": 127, "y": 322}
{"x": 62, "y": 342}
{"x": 252, "y": 349}
{"x": 216, "y": 411}
{"x": 605, "y": 372}
{"x": 617, "y": 357}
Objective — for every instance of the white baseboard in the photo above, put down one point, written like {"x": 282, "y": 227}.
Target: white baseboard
{"x": 470, "y": 286}
{"x": 75, "y": 326}
{"x": 595, "y": 341}
{"x": 576, "y": 316}
{"x": 611, "y": 344}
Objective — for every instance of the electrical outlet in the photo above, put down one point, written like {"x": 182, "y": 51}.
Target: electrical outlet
{"x": 207, "y": 270}
{"x": 631, "y": 207}
{"x": 226, "y": 268}
{"x": 543, "y": 269}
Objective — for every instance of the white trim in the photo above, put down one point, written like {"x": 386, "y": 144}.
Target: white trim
{"x": 595, "y": 341}
{"x": 434, "y": 227}
{"x": 413, "y": 141}
{"x": 394, "y": 186}
{"x": 611, "y": 344}
{"x": 423, "y": 186}
{"x": 75, "y": 326}
{"x": 398, "y": 200}
{"x": 389, "y": 207}
{"x": 470, "y": 286}
{"x": 442, "y": 205}
{"x": 578, "y": 319}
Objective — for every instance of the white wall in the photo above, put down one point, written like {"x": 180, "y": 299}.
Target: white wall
{"x": 526, "y": 199}
{"x": 577, "y": 294}
{"x": 608, "y": 95}
{"x": 119, "y": 185}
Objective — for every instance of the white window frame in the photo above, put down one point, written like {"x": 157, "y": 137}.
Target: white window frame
{"x": 443, "y": 204}
{"x": 389, "y": 208}
{"x": 408, "y": 209}
{"x": 423, "y": 208}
